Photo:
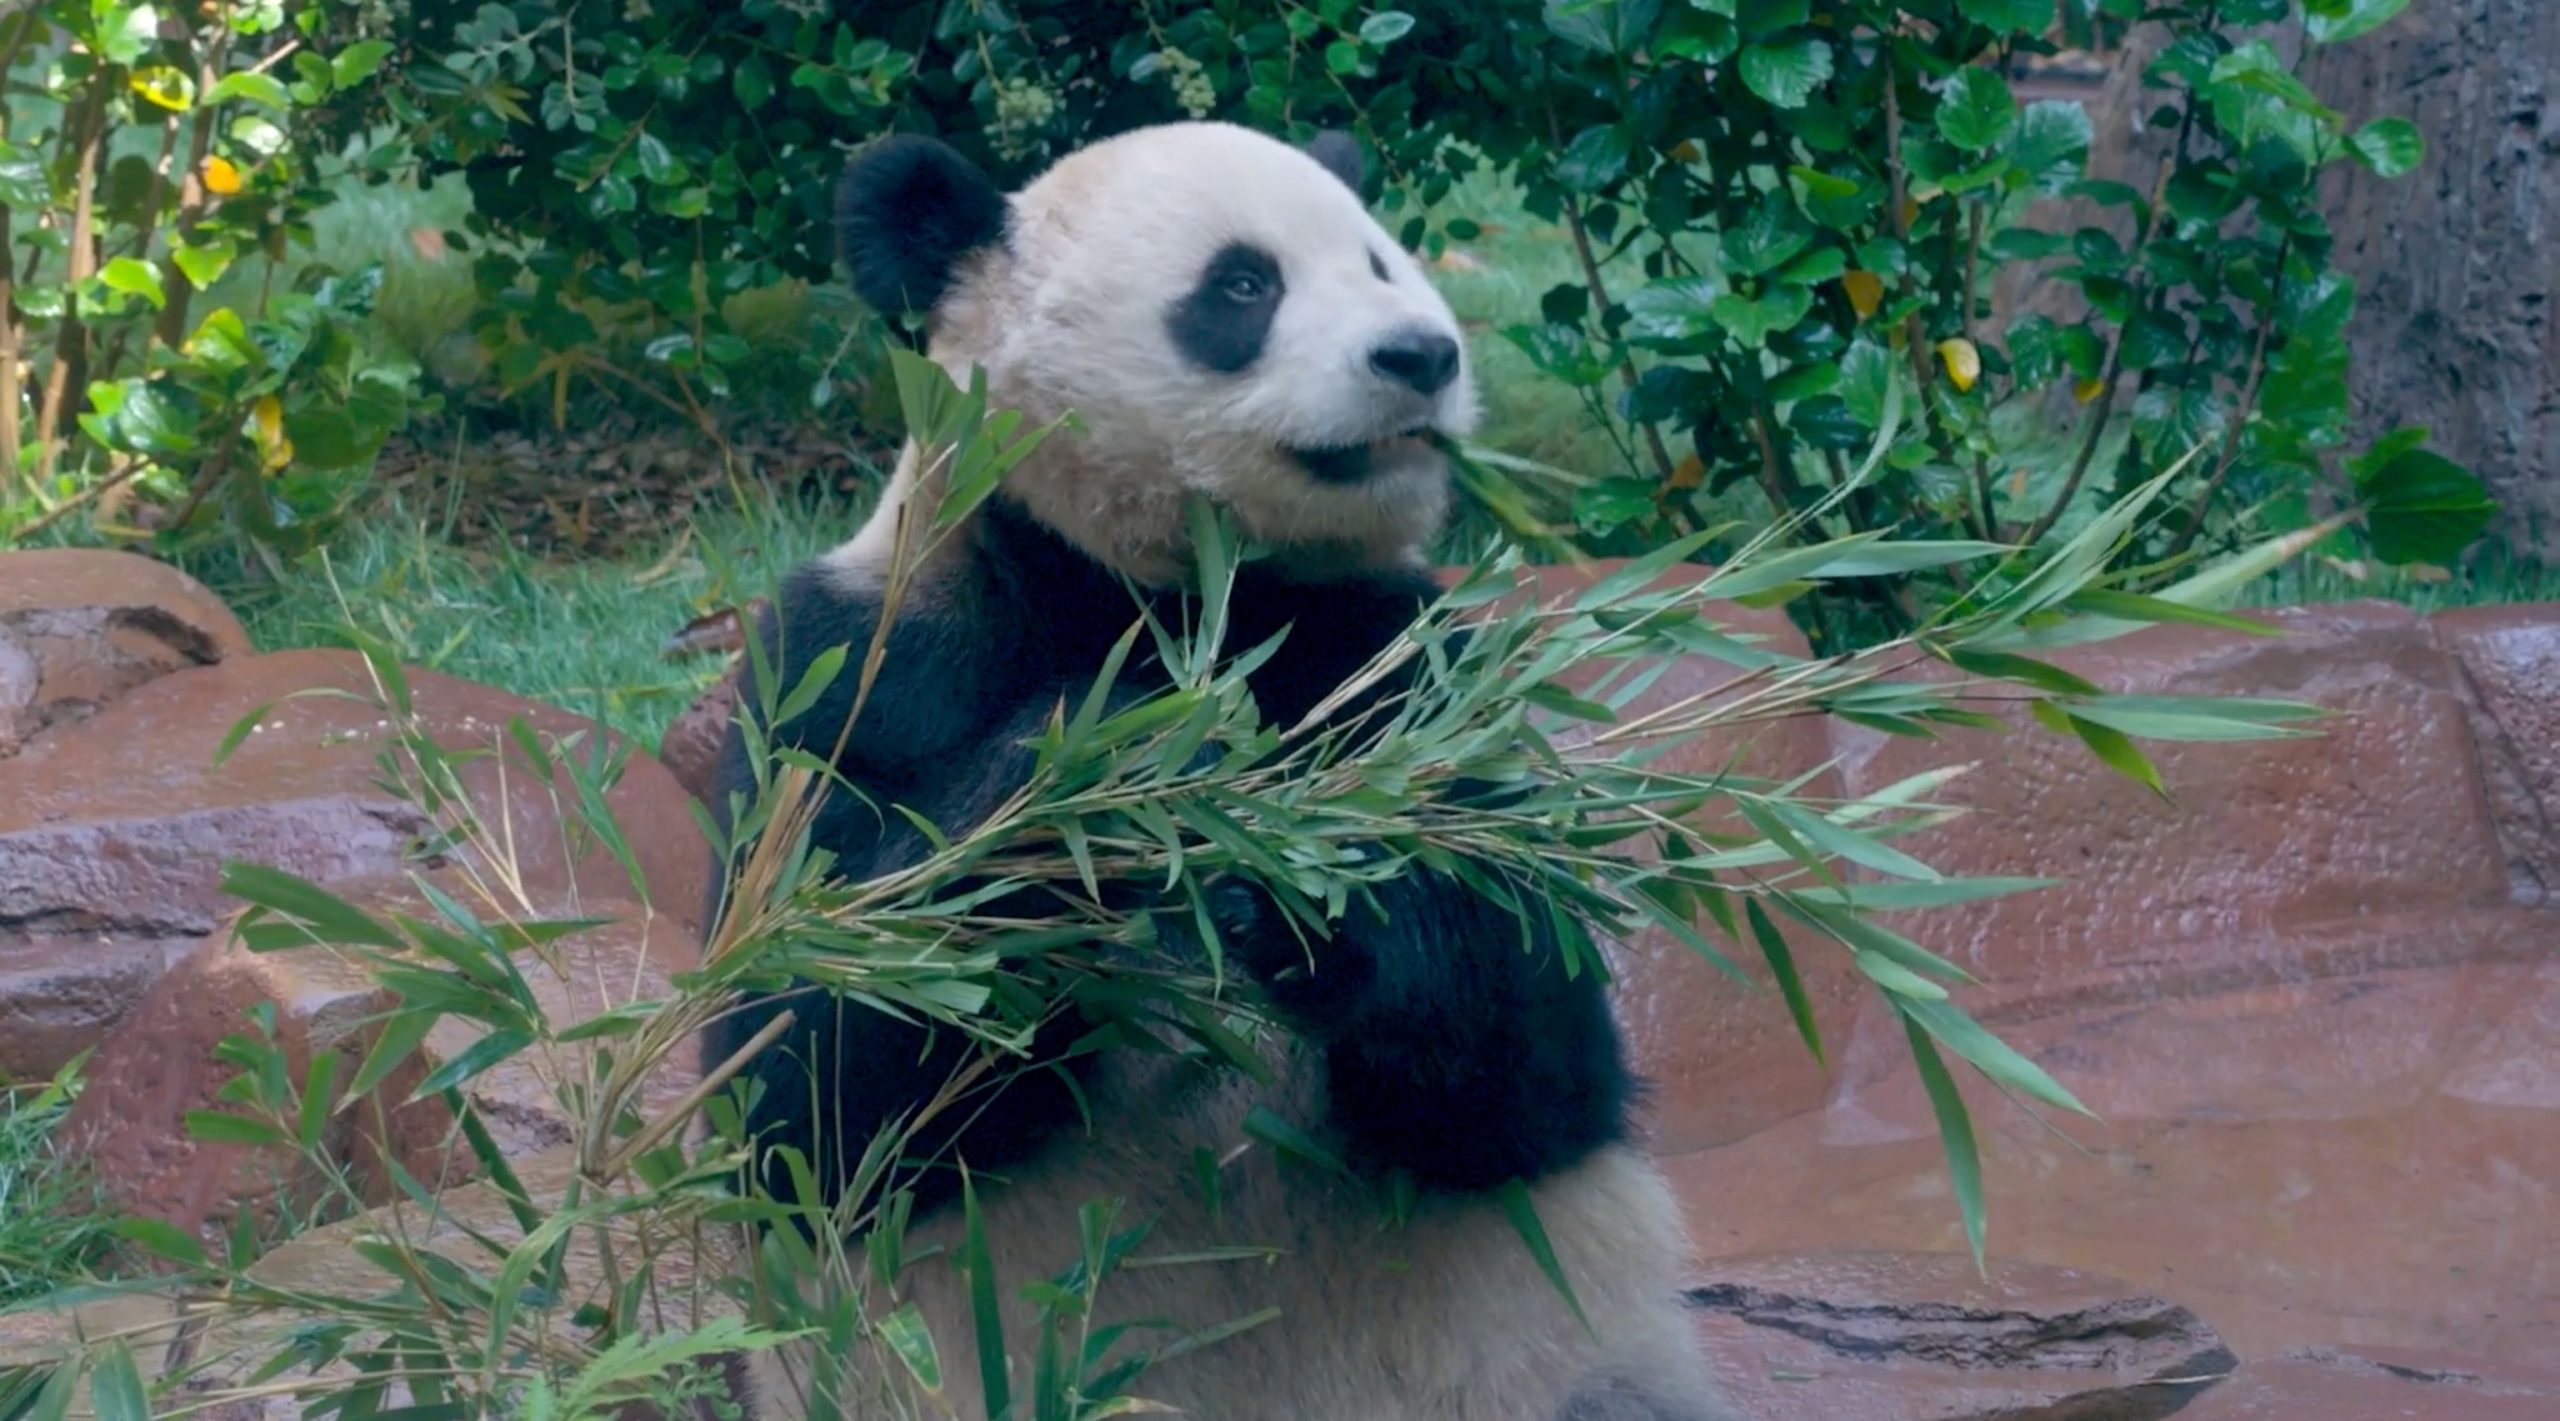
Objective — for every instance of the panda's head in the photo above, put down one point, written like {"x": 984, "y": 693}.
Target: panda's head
{"x": 1219, "y": 311}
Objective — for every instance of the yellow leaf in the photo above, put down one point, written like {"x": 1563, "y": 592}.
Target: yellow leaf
{"x": 1689, "y": 473}
{"x": 221, "y": 176}
{"x": 167, "y": 86}
{"x": 267, "y": 426}
{"x": 1963, "y": 362}
{"x": 1685, "y": 151}
{"x": 2087, "y": 390}
{"x": 1866, "y": 292}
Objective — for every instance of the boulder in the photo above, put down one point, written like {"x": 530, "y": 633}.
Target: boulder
{"x": 114, "y": 831}
{"x": 1913, "y": 1337}
{"x": 2380, "y": 1384}
{"x": 2381, "y": 811}
{"x": 164, "y": 1059}
{"x": 691, "y": 747}
{"x": 2510, "y": 663}
{"x": 80, "y": 627}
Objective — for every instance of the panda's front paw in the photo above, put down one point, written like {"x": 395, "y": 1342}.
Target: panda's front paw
{"x": 1299, "y": 969}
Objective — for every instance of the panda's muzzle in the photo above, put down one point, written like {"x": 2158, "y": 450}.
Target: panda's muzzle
{"x": 1347, "y": 464}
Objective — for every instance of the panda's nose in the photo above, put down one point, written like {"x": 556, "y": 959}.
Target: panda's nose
{"x": 1421, "y": 359}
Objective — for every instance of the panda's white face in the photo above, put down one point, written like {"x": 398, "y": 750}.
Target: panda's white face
{"x": 1224, "y": 317}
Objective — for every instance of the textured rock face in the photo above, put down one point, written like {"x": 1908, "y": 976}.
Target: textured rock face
{"x": 162, "y": 1061}
{"x": 1915, "y": 1337}
{"x": 114, "y": 830}
{"x": 79, "y": 628}
{"x": 2309, "y": 998}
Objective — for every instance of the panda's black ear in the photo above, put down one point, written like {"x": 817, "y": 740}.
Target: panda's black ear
{"x": 1340, "y": 154}
{"x": 908, "y": 209}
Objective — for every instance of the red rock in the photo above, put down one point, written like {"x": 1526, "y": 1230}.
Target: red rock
{"x": 691, "y": 747}
{"x": 2366, "y": 1160}
{"x": 2381, "y": 813}
{"x": 2510, "y": 662}
{"x": 2374, "y": 1384}
{"x": 113, "y": 832}
{"x": 1905, "y": 1337}
{"x": 79, "y": 627}
{"x": 162, "y": 1061}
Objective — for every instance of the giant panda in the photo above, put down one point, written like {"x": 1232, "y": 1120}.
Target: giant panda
{"x": 1223, "y": 317}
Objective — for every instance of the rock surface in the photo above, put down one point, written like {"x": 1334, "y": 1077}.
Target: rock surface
{"x": 2302, "y": 997}
{"x": 79, "y": 628}
{"x": 162, "y": 1061}
{"x": 2510, "y": 663}
{"x": 1911, "y": 1337}
{"x": 114, "y": 830}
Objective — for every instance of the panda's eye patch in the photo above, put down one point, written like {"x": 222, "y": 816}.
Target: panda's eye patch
{"x": 1223, "y": 322}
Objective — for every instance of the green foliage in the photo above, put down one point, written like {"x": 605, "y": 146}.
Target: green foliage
{"x": 1821, "y": 194}
{"x": 53, "y": 1224}
{"x": 151, "y": 154}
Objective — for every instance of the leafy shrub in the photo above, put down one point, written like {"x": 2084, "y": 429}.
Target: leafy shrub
{"x": 1821, "y": 195}
{"x": 158, "y": 158}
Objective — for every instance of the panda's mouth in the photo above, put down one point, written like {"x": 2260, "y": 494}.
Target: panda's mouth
{"x": 1346, "y": 464}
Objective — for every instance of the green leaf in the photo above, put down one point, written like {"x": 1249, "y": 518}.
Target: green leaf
{"x": 472, "y": 1061}
{"x": 1763, "y": 241}
{"x": 1955, "y": 1132}
{"x": 205, "y": 264}
{"x": 2030, "y": 17}
{"x": 1595, "y": 158}
{"x": 1385, "y": 28}
{"x": 2337, "y": 21}
{"x": 255, "y": 87}
{"x": 162, "y": 1238}
{"x": 115, "y": 1387}
{"x": 2391, "y": 147}
{"x": 2422, "y": 507}
{"x": 2052, "y": 143}
{"x": 332, "y": 919}
{"x": 358, "y": 62}
{"x": 1977, "y": 112}
{"x": 1786, "y": 74}
{"x": 1752, "y": 321}
{"x": 1782, "y": 966}
{"x": 752, "y": 82}
{"x": 1603, "y": 26}
{"x": 1523, "y": 1212}
{"x": 1989, "y": 1054}
{"x": 221, "y": 1127}
{"x": 978, "y": 1262}
{"x": 134, "y": 277}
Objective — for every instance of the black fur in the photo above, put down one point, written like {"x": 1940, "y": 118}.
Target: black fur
{"x": 1417, "y": 357}
{"x": 908, "y": 210}
{"x": 1340, "y": 154}
{"x": 1451, "y": 1051}
{"x": 1225, "y": 320}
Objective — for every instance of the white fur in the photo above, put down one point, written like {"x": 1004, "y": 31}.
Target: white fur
{"x": 1069, "y": 317}
{"x": 1444, "y": 1317}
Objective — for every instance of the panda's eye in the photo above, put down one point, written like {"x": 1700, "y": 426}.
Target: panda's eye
{"x": 1244, "y": 287}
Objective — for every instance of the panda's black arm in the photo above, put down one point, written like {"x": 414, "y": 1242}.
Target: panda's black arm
{"x": 1456, "y": 1045}
{"x": 940, "y": 733}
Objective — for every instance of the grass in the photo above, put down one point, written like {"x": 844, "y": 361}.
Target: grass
{"x": 588, "y": 636}
{"x": 53, "y": 1222}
